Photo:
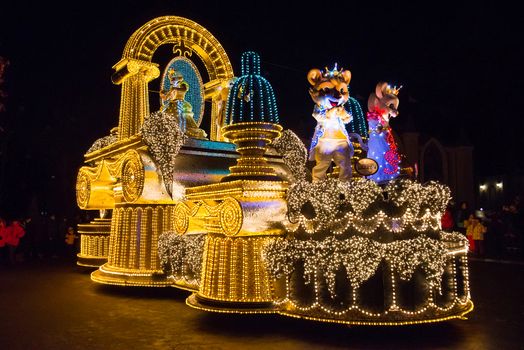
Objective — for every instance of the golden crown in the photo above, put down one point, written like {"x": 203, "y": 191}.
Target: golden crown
{"x": 392, "y": 90}
{"x": 171, "y": 73}
{"x": 333, "y": 73}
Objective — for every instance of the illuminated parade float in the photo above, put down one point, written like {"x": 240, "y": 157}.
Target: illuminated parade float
{"x": 236, "y": 216}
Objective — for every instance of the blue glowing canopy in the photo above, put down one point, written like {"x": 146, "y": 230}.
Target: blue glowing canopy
{"x": 251, "y": 98}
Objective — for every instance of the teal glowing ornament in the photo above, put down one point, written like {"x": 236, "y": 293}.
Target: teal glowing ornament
{"x": 251, "y": 98}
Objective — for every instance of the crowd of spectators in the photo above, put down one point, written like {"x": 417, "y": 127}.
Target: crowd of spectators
{"x": 495, "y": 233}
{"x": 38, "y": 238}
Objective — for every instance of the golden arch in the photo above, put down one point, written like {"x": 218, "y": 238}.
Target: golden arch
{"x": 135, "y": 70}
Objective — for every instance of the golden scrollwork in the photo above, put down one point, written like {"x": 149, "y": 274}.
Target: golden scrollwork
{"x": 230, "y": 216}
{"x": 181, "y": 218}
{"x": 132, "y": 178}
{"x": 83, "y": 189}
{"x": 181, "y": 48}
{"x": 183, "y": 214}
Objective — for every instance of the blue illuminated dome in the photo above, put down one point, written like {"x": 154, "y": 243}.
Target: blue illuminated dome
{"x": 251, "y": 98}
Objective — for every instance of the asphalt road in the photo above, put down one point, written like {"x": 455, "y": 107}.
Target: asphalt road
{"x": 54, "y": 305}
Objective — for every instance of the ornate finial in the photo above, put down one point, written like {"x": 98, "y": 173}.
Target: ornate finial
{"x": 250, "y": 63}
{"x": 181, "y": 48}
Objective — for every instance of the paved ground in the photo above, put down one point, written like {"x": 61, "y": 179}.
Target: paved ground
{"x": 56, "y": 306}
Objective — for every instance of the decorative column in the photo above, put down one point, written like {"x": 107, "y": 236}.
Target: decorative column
{"x": 243, "y": 212}
{"x": 94, "y": 242}
{"x": 133, "y": 257}
{"x": 134, "y": 75}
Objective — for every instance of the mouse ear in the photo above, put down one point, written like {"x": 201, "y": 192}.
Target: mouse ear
{"x": 346, "y": 76}
{"x": 380, "y": 89}
{"x": 314, "y": 76}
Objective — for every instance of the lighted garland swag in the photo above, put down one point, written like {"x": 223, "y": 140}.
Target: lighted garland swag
{"x": 181, "y": 255}
{"x": 402, "y": 204}
{"x": 360, "y": 256}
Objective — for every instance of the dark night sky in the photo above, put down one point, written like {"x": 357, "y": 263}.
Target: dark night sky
{"x": 460, "y": 66}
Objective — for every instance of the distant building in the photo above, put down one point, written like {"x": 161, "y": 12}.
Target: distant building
{"x": 451, "y": 165}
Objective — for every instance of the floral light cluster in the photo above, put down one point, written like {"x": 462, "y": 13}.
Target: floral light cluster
{"x": 164, "y": 138}
{"x": 336, "y": 206}
{"x": 294, "y": 153}
{"x": 103, "y": 142}
{"x": 181, "y": 255}
{"x": 359, "y": 256}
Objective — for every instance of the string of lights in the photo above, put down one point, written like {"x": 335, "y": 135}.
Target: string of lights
{"x": 359, "y": 255}
{"x": 164, "y": 139}
{"x": 294, "y": 154}
{"x": 102, "y": 142}
{"x": 360, "y": 204}
{"x": 181, "y": 255}
{"x": 361, "y": 258}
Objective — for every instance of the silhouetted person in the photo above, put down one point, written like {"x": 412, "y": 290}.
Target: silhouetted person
{"x": 496, "y": 229}
{"x": 3, "y": 238}
{"x": 53, "y": 237}
{"x": 62, "y": 232}
{"x": 14, "y": 232}
{"x": 40, "y": 239}
{"x": 475, "y": 231}
{"x": 70, "y": 242}
{"x": 447, "y": 222}
{"x": 513, "y": 234}
{"x": 463, "y": 214}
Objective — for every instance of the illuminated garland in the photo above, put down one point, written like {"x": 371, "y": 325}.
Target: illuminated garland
{"x": 103, "y": 142}
{"x": 419, "y": 197}
{"x": 406, "y": 256}
{"x": 319, "y": 310}
{"x": 181, "y": 255}
{"x": 294, "y": 153}
{"x": 454, "y": 237}
{"x": 360, "y": 257}
{"x": 324, "y": 197}
{"x": 454, "y": 240}
{"x": 164, "y": 139}
{"x": 362, "y": 204}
